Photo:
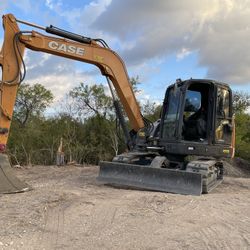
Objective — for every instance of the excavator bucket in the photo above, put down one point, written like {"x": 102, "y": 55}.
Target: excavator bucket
{"x": 149, "y": 178}
{"x": 9, "y": 183}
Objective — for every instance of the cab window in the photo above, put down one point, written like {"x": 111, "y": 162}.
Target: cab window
{"x": 223, "y": 130}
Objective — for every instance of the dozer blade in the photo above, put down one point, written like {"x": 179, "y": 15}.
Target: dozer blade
{"x": 9, "y": 183}
{"x": 145, "y": 177}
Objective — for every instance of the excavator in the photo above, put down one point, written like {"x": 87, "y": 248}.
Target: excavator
{"x": 182, "y": 152}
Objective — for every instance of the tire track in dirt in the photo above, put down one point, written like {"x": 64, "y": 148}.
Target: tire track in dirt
{"x": 53, "y": 227}
{"x": 212, "y": 238}
{"x": 52, "y": 231}
{"x": 101, "y": 219}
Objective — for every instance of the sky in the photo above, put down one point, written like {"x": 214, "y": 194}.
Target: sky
{"x": 158, "y": 40}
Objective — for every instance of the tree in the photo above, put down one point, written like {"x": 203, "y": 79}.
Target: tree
{"x": 31, "y": 101}
{"x": 134, "y": 81}
{"x": 151, "y": 111}
{"x": 242, "y": 122}
{"x": 26, "y": 136}
{"x": 92, "y": 100}
{"x": 241, "y": 102}
{"x": 100, "y": 123}
{"x": 71, "y": 130}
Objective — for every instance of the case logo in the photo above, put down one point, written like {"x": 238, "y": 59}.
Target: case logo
{"x": 66, "y": 48}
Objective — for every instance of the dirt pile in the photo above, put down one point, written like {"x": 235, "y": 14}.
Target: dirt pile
{"x": 237, "y": 167}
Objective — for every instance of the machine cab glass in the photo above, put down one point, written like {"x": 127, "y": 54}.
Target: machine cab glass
{"x": 223, "y": 123}
{"x": 186, "y": 112}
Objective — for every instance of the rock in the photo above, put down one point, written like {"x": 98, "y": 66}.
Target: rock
{"x": 17, "y": 166}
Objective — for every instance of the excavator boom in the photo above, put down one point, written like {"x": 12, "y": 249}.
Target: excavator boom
{"x": 88, "y": 51}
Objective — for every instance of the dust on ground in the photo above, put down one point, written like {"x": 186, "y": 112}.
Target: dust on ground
{"x": 68, "y": 209}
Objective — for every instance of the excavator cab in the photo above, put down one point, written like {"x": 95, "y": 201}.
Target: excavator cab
{"x": 197, "y": 119}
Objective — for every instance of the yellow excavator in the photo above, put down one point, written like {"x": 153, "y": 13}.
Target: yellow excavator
{"x": 181, "y": 152}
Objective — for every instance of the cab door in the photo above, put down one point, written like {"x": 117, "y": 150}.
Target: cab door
{"x": 223, "y": 121}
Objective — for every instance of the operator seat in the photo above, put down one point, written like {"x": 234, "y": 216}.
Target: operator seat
{"x": 195, "y": 127}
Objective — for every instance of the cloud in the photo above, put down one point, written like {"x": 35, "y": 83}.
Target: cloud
{"x": 79, "y": 18}
{"x": 57, "y": 74}
{"x": 24, "y": 5}
{"x": 52, "y": 5}
{"x": 3, "y": 6}
{"x": 217, "y": 30}
{"x": 88, "y": 13}
{"x": 184, "y": 52}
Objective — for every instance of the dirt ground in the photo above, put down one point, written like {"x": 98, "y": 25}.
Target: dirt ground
{"x": 68, "y": 209}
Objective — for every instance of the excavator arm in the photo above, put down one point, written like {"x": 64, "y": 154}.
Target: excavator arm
{"x": 84, "y": 49}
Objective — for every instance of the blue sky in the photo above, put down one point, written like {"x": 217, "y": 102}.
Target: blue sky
{"x": 159, "y": 41}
